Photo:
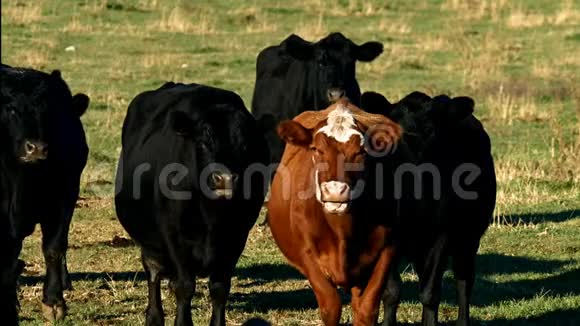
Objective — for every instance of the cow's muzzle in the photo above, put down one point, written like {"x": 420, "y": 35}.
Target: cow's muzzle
{"x": 222, "y": 184}
{"x": 334, "y": 94}
{"x": 34, "y": 151}
{"x": 335, "y": 196}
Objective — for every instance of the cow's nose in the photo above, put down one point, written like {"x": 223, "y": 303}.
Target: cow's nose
{"x": 335, "y": 191}
{"x": 335, "y": 94}
{"x": 35, "y": 150}
{"x": 223, "y": 183}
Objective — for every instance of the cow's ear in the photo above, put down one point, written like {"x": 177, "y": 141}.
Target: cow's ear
{"x": 375, "y": 103}
{"x": 80, "y": 103}
{"x": 447, "y": 110}
{"x": 462, "y": 107}
{"x": 299, "y": 48}
{"x": 56, "y": 74}
{"x": 181, "y": 123}
{"x": 368, "y": 51}
{"x": 294, "y": 133}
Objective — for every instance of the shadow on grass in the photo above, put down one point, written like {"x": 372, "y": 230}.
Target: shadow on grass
{"x": 28, "y": 280}
{"x": 500, "y": 264}
{"x": 543, "y": 217}
{"x": 487, "y": 292}
{"x": 274, "y": 300}
{"x": 557, "y": 278}
{"x": 268, "y": 272}
{"x": 560, "y": 317}
{"x": 556, "y": 281}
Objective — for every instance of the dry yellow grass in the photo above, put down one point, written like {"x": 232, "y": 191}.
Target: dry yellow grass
{"x": 313, "y": 31}
{"x": 179, "y": 20}
{"x": 254, "y": 19}
{"x": 480, "y": 60}
{"x": 168, "y": 60}
{"x": 506, "y": 108}
{"x": 77, "y": 26}
{"x": 38, "y": 59}
{"x": 22, "y": 13}
{"x": 518, "y": 19}
{"x": 397, "y": 27}
{"x": 567, "y": 14}
{"x": 476, "y": 9}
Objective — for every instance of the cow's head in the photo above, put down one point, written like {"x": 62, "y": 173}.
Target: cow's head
{"x": 217, "y": 151}
{"x": 340, "y": 142}
{"x": 333, "y": 64}
{"x": 28, "y": 100}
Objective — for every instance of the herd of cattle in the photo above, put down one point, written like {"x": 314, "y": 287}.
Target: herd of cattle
{"x": 360, "y": 185}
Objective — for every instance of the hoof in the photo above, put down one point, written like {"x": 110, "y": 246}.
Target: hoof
{"x": 55, "y": 312}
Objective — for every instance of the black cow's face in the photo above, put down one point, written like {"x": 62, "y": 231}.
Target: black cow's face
{"x": 24, "y": 121}
{"x": 212, "y": 150}
{"x": 29, "y": 99}
{"x": 334, "y": 60}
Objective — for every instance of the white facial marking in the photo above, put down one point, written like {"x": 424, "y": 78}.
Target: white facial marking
{"x": 340, "y": 125}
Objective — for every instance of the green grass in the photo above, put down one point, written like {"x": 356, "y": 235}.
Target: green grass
{"x": 518, "y": 59}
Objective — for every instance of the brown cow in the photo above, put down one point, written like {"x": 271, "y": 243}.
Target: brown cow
{"x": 320, "y": 214}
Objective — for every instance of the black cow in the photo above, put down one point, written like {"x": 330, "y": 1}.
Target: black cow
{"x": 445, "y": 216}
{"x": 184, "y": 190}
{"x": 298, "y": 75}
{"x": 43, "y": 152}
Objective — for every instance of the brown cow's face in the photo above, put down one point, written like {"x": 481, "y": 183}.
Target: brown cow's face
{"x": 338, "y": 167}
{"x": 338, "y": 153}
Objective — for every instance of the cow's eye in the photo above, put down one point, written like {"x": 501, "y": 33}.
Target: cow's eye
{"x": 202, "y": 146}
{"x": 316, "y": 150}
{"x": 12, "y": 112}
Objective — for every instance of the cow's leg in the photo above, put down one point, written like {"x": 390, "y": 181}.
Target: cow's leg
{"x": 154, "y": 312}
{"x": 430, "y": 280}
{"x": 67, "y": 210}
{"x": 184, "y": 280}
{"x": 54, "y": 242}
{"x": 392, "y": 295}
{"x": 184, "y": 291}
{"x": 65, "y": 276}
{"x": 464, "y": 272}
{"x": 10, "y": 269}
{"x": 367, "y": 300}
{"x": 219, "y": 290}
{"x": 326, "y": 294}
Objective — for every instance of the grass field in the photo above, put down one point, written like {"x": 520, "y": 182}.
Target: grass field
{"x": 519, "y": 59}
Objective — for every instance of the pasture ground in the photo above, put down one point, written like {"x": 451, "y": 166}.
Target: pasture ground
{"x": 518, "y": 59}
